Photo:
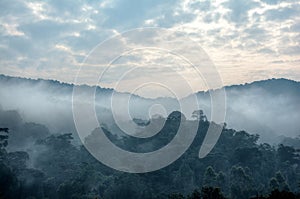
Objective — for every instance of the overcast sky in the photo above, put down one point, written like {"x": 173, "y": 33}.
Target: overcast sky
{"x": 246, "y": 39}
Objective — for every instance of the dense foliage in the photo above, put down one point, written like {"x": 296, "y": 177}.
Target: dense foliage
{"x": 238, "y": 167}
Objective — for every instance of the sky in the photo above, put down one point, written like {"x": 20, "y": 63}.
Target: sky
{"x": 246, "y": 40}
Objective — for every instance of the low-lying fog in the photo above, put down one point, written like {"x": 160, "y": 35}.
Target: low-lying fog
{"x": 269, "y": 108}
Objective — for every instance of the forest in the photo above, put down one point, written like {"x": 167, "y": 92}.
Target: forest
{"x": 150, "y": 99}
{"x": 238, "y": 167}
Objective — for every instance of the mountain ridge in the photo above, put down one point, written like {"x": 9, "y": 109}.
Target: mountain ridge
{"x": 243, "y": 85}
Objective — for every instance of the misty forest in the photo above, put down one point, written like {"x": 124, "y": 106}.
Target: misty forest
{"x": 256, "y": 156}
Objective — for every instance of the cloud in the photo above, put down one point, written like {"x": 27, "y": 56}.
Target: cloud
{"x": 133, "y": 14}
{"x": 45, "y": 30}
{"x": 295, "y": 27}
{"x": 271, "y": 2}
{"x": 13, "y": 7}
{"x": 41, "y": 38}
{"x": 266, "y": 51}
{"x": 291, "y": 50}
{"x": 282, "y": 14}
{"x": 239, "y": 10}
{"x": 200, "y": 5}
{"x": 275, "y": 2}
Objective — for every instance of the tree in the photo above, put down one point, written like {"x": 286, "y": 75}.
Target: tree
{"x": 210, "y": 177}
{"x": 58, "y": 158}
{"x": 176, "y": 196}
{"x": 195, "y": 195}
{"x": 241, "y": 183}
{"x": 3, "y": 137}
{"x": 211, "y": 193}
{"x": 176, "y": 116}
{"x": 287, "y": 153}
{"x": 221, "y": 181}
{"x": 184, "y": 178}
{"x": 199, "y": 115}
{"x": 283, "y": 186}
{"x": 276, "y": 194}
{"x": 273, "y": 184}
{"x": 248, "y": 157}
{"x": 8, "y": 182}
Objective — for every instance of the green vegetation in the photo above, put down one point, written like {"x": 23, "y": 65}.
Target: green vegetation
{"x": 238, "y": 167}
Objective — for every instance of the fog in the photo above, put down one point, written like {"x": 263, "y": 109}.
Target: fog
{"x": 269, "y": 108}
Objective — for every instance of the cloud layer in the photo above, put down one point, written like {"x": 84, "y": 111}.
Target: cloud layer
{"x": 253, "y": 40}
